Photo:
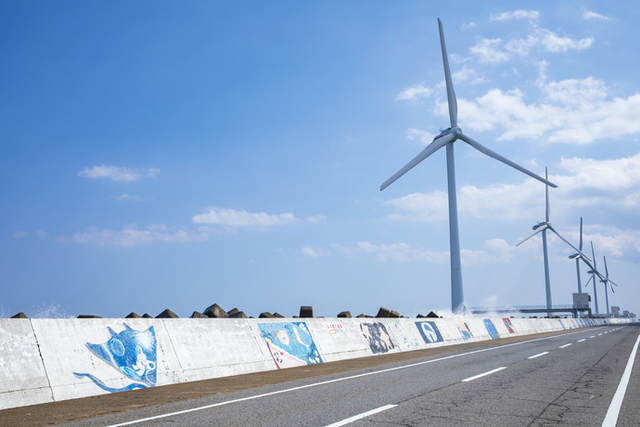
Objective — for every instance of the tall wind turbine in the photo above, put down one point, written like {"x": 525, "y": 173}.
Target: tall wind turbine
{"x": 606, "y": 282}
{"x": 577, "y": 257}
{"x": 593, "y": 273}
{"x": 543, "y": 227}
{"x": 446, "y": 138}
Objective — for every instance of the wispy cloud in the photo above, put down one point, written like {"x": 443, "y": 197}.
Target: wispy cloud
{"x": 414, "y": 92}
{"x": 131, "y": 197}
{"x": 516, "y": 14}
{"x": 242, "y": 218}
{"x": 573, "y": 111}
{"x": 20, "y": 234}
{"x": 494, "y": 51}
{"x": 314, "y": 252}
{"x": 497, "y": 251}
{"x": 587, "y": 14}
{"x": 131, "y": 236}
{"x": 423, "y": 136}
{"x": 118, "y": 173}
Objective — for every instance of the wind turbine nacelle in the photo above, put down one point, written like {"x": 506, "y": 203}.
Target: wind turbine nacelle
{"x": 538, "y": 225}
{"x": 590, "y": 272}
{"x": 574, "y": 256}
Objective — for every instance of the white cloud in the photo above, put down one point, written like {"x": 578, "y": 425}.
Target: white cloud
{"x": 20, "y": 234}
{"x": 570, "y": 111}
{"x": 516, "y": 14}
{"x": 314, "y": 253}
{"x": 423, "y": 136}
{"x": 414, "y": 92}
{"x": 589, "y": 183}
{"x": 118, "y": 173}
{"x": 494, "y": 51}
{"x": 315, "y": 219}
{"x": 587, "y": 14}
{"x": 242, "y": 218}
{"x": 42, "y": 235}
{"x": 132, "y": 197}
{"x": 131, "y": 236}
{"x": 467, "y": 26}
{"x": 497, "y": 251}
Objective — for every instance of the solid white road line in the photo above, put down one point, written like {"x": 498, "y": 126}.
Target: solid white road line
{"x": 361, "y": 416}
{"x": 583, "y": 339}
{"x": 483, "y": 375}
{"x": 611, "y": 419}
{"x": 453, "y": 356}
{"x": 538, "y": 355}
{"x": 566, "y": 345}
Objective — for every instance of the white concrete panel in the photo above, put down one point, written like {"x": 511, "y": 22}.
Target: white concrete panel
{"x": 23, "y": 379}
{"x": 210, "y": 348}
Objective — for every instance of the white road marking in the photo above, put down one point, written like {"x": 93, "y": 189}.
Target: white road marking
{"x": 583, "y": 339}
{"x": 483, "y": 375}
{"x": 592, "y": 336}
{"x": 453, "y": 356}
{"x": 599, "y": 334}
{"x": 566, "y": 345}
{"x": 611, "y": 419}
{"x": 538, "y": 355}
{"x": 361, "y": 416}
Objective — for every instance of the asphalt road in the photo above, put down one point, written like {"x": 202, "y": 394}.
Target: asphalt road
{"x": 563, "y": 379}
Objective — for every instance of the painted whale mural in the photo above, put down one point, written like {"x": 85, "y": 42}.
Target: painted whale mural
{"x": 130, "y": 352}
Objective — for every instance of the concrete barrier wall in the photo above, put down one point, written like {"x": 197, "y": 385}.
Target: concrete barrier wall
{"x": 46, "y": 360}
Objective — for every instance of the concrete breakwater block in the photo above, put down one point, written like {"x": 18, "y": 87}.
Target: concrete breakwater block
{"x": 133, "y": 315}
{"x": 20, "y": 315}
{"x": 346, "y": 314}
{"x": 198, "y": 315}
{"x": 266, "y": 315}
{"x": 167, "y": 314}
{"x": 306, "y": 311}
{"x": 383, "y": 312}
{"x": 238, "y": 315}
{"x": 215, "y": 311}
{"x": 88, "y": 316}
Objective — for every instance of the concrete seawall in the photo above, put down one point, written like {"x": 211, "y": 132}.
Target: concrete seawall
{"x": 46, "y": 360}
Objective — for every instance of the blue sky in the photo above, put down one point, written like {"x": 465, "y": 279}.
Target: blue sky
{"x": 171, "y": 155}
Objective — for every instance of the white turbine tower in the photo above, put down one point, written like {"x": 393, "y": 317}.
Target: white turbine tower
{"x": 543, "y": 227}
{"x": 446, "y": 138}
{"x": 593, "y": 273}
{"x": 606, "y": 282}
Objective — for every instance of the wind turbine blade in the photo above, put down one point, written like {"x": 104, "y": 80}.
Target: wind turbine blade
{"x": 569, "y": 243}
{"x": 536, "y": 231}
{"x": 593, "y": 254}
{"x": 431, "y": 148}
{"x": 546, "y": 193}
{"x": 590, "y": 279}
{"x": 481, "y": 148}
{"x": 580, "y": 247}
{"x": 451, "y": 95}
{"x": 606, "y": 270}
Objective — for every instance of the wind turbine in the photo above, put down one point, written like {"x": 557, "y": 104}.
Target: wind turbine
{"x": 543, "y": 227}
{"x": 446, "y": 138}
{"x": 593, "y": 273}
{"x": 577, "y": 257}
{"x": 606, "y": 282}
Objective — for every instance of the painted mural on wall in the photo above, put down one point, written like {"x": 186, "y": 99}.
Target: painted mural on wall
{"x": 429, "y": 332}
{"x": 290, "y": 344}
{"x": 130, "y": 352}
{"x": 464, "y": 330}
{"x": 509, "y": 325}
{"x": 377, "y": 336}
{"x": 491, "y": 329}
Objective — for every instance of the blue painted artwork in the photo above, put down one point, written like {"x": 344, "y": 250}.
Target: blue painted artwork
{"x": 491, "y": 328}
{"x": 130, "y": 352}
{"x": 290, "y": 344}
{"x": 429, "y": 332}
{"x": 464, "y": 330}
{"x": 377, "y": 336}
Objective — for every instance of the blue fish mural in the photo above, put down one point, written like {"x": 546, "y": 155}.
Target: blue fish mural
{"x": 290, "y": 344}
{"x": 130, "y": 352}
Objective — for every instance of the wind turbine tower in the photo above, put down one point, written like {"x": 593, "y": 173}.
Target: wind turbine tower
{"x": 446, "y": 138}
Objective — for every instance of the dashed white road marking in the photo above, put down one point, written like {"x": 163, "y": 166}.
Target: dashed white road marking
{"x": 583, "y": 339}
{"x": 538, "y": 355}
{"x": 566, "y": 345}
{"x": 483, "y": 375}
{"x": 361, "y": 416}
